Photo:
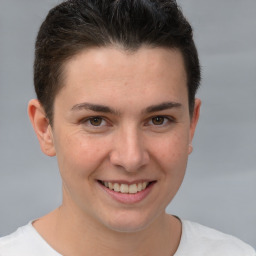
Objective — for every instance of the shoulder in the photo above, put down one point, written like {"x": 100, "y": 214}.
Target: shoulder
{"x": 11, "y": 243}
{"x": 25, "y": 241}
{"x": 203, "y": 240}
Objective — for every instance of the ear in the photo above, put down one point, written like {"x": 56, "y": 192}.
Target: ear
{"x": 41, "y": 127}
{"x": 193, "y": 123}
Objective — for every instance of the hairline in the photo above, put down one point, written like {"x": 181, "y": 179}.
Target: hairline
{"x": 128, "y": 50}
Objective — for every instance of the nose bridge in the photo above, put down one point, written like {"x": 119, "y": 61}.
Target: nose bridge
{"x": 129, "y": 150}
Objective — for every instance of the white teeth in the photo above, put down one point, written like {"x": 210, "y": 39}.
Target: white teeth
{"x": 116, "y": 187}
{"x": 139, "y": 187}
{"x": 125, "y": 188}
{"x": 133, "y": 189}
{"x": 110, "y": 185}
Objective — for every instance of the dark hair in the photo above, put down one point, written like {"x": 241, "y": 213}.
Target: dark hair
{"x": 78, "y": 24}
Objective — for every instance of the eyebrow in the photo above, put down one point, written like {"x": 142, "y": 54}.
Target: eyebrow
{"x": 93, "y": 107}
{"x": 106, "y": 109}
{"x": 163, "y": 106}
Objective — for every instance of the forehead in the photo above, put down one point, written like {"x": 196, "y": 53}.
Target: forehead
{"x": 149, "y": 58}
{"x": 108, "y": 72}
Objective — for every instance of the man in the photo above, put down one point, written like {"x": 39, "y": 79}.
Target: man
{"x": 116, "y": 84}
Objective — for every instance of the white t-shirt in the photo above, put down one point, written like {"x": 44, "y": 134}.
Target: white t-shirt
{"x": 196, "y": 240}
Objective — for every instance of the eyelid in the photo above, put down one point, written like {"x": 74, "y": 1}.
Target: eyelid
{"x": 86, "y": 121}
{"x": 169, "y": 119}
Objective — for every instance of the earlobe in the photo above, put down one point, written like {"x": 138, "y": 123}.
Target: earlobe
{"x": 193, "y": 123}
{"x": 190, "y": 148}
{"x": 41, "y": 127}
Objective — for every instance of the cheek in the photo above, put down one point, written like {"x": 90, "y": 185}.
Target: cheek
{"x": 172, "y": 148}
{"x": 79, "y": 156}
{"x": 171, "y": 156}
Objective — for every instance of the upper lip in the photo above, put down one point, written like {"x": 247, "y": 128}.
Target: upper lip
{"x": 128, "y": 182}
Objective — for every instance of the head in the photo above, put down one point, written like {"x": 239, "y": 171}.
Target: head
{"x": 76, "y": 25}
{"x": 116, "y": 83}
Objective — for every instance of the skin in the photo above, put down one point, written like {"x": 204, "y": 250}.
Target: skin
{"x": 135, "y": 141}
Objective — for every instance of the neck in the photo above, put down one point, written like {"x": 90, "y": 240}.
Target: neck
{"x": 72, "y": 234}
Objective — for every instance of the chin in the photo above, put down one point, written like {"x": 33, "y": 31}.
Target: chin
{"x": 125, "y": 228}
{"x": 129, "y": 223}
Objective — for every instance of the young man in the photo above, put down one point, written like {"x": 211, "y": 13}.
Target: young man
{"x": 116, "y": 84}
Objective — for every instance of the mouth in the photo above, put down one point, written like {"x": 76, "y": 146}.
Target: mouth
{"x": 124, "y": 188}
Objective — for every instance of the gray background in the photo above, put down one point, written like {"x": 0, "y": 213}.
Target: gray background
{"x": 220, "y": 186}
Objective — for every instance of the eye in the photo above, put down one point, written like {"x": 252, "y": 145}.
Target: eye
{"x": 95, "y": 121}
{"x": 158, "y": 120}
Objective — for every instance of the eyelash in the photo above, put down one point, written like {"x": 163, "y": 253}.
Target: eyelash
{"x": 149, "y": 122}
{"x": 88, "y": 121}
{"x": 166, "y": 120}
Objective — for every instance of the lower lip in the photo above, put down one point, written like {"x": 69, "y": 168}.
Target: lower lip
{"x": 128, "y": 198}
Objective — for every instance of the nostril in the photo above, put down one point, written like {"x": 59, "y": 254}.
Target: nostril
{"x": 129, "y": 161}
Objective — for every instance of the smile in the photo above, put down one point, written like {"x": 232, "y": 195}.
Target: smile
{"x": 125, "y": 188}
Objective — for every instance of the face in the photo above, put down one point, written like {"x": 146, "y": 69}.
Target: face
{"x": 121, "y": 134}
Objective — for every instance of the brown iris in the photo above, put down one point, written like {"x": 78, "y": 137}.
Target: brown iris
{"x": 96, "y": 121}
{"x": 158, "y": 120}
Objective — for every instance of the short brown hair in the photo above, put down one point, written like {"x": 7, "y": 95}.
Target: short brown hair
{"x": 75, "y": 25}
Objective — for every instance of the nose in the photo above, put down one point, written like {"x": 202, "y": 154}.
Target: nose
{"x": 128, "y": 150}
